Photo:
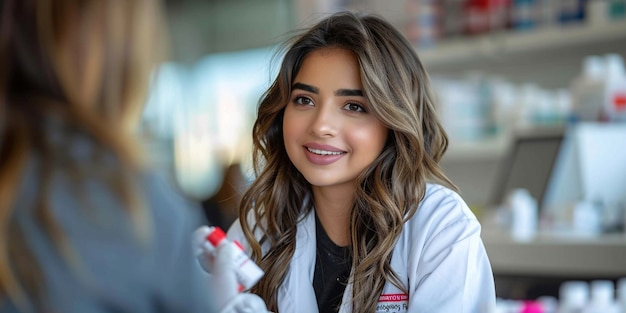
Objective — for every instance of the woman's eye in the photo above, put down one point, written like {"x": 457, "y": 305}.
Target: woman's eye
{"x": 302, "y": 100}
{"x": 354, "y": 107}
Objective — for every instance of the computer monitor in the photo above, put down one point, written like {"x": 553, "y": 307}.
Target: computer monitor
{"x": 528, "y": 164}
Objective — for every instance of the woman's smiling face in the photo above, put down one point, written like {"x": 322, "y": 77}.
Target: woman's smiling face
{"x": 328, "y": 130}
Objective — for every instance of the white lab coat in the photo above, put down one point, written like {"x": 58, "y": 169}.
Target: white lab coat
{"x": 439, "y": 258}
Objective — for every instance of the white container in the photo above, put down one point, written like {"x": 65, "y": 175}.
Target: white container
{"x": 528, "y": 101}
{"x": 573, "y": 296}
{"x": 549, "y": 304}
{"x": 247, "y": 272}
{"x": 463, "y": 110}
{"x": 599, "y": 92}
{"x": 524, "y": 215}
{"x": 597, "y": 12}
{"x": 587, "y": 90}
{"x": 602, "y": 298}
{"x": 615, "y": 88}
{"x": 586, "y": 219}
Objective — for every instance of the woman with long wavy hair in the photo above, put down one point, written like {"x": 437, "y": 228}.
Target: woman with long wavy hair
{"x": 350, "y": 210}
{"x": 84, "y": 224}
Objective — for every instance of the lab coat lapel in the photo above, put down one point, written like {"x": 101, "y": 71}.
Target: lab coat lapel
{"x": 296, "y": 294}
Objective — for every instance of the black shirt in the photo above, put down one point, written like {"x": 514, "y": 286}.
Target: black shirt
{"x": 332, "y": 269}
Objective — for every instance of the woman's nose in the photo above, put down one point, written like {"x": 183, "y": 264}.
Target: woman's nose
{"x": 326, "y": 121}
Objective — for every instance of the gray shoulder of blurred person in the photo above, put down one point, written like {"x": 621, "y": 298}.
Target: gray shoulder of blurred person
{"x": 121, "y": 275}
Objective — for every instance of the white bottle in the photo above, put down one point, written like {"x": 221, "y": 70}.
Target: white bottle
{"x": 602, "y": 298}
{"x": 586, "y": 219}
{"x": 524, "y": 215}
{"x": 573, "y": 296}
{"x": 549, "y": 304}
{"x": 563, "y": 104}
{"x": 588, "y": 88}
{"x": 615, "y": 89}
{"x": 247, "y": 272}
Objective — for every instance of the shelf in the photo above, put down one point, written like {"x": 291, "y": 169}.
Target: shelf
{"x": 548, "y": 255}
{"x": 498, "y": 45}
{"x": 492, "y": 148}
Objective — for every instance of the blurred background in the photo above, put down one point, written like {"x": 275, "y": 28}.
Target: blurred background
{"x": 532, "y": 93}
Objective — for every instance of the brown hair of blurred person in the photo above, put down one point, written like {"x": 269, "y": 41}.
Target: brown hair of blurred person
{"x": 84, "y": 64}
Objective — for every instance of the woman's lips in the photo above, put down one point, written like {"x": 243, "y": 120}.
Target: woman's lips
{"x": 322, "y": 154}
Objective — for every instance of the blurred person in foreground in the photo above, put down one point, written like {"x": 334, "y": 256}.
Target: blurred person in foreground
{"x": 84, "y": 225}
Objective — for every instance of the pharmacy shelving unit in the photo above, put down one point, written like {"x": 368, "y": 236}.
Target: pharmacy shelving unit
{"x": 511, "y": 44}
{"x": 548, "y": 56}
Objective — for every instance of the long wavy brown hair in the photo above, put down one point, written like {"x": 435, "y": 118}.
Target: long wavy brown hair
{"x": 83, "y": 65}
{"x": 389, "y": 190}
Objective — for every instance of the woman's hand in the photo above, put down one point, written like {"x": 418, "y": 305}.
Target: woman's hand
{"x": 218, "y": 263}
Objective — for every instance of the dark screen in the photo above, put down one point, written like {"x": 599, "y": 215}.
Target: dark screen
{"x": 528, "y": 165}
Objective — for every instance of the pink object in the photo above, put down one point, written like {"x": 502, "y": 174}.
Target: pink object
{"x": 531, "y": 307}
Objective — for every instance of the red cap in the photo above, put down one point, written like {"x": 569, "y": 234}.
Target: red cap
{"x": 216, "y": 236}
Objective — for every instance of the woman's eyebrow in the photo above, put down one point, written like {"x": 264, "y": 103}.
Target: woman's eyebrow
{"x": 305, "y": 87}
{"x": 338, "y": 92}
{"x": 349, "y": 92}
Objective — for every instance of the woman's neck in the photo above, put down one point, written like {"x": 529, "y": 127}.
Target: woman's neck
{"x": 333, "y": 208}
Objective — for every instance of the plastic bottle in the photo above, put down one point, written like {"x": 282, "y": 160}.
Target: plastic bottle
{"x": 524, "y": 215}
{"x": 617, "y": 11}
{"x": 615, "y": 92}
{"x": 602, "y": 298}
{"x": 563, "y": 105}
{"x": 247, "y": 272}
{"x": 527, "y": 99}
{"x": 571, "y": 11}
{"x": 573, "y": 296}
{"x": 597, "y": 12}
{"x": 522, "y": 14}
{"x": 587, "y": 89}
{"x": 483, "y": 16}
{"x": 452, "y": 18}
{"x": 586, "y": 219}
{"x": 549, "y": 16}
{"x": 503, "y": 98}
{"x": 549, "y": 304}
{"x": 423, "y": 25}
